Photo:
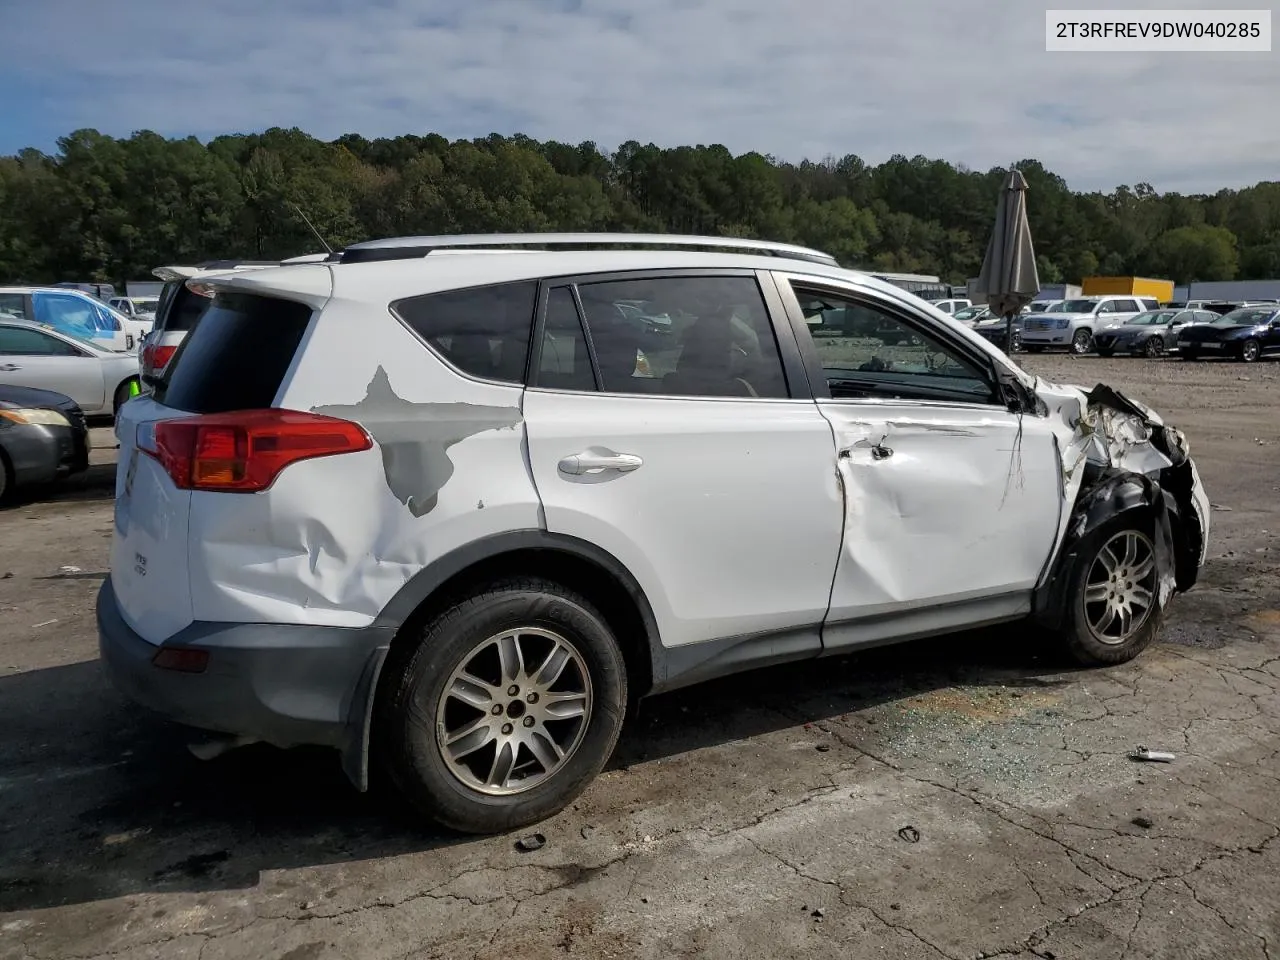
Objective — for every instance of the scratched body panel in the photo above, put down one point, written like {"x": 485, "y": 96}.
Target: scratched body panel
{"x": 335, "y": 539}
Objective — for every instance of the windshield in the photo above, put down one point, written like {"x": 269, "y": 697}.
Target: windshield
{"x": 1155, "y": 318}
{"x": 968, "y": 313}
{"x": 1250, "y": 317}
{"x": 1076, "y": 306}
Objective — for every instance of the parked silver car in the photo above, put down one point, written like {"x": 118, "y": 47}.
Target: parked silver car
{"x": 35, "y": 355}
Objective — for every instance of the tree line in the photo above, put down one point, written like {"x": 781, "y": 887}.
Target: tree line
{"x": 111, "y": 209}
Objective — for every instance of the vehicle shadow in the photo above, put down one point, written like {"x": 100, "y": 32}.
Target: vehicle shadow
{"x": 99, "y": 799}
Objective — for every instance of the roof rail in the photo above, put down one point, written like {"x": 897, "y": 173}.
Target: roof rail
{"x": 408, "y": 248}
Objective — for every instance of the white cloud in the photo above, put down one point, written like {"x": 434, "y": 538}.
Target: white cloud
{"x": 966, "y": 81}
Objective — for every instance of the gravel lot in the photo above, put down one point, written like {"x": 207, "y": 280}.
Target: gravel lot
{"x": 959, "y": 797}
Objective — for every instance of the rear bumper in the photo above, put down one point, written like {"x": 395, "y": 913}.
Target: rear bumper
{"x": 285, "y": 684}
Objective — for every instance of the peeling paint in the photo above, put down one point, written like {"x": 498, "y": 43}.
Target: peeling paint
{"x": 415, "y": 437}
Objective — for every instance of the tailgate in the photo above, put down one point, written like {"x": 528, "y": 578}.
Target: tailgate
{"x": 149, "y": 542}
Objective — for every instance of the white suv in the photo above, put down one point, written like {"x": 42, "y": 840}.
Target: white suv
{"x": 1073, "y": 323}
{"x": 462, "y": 541}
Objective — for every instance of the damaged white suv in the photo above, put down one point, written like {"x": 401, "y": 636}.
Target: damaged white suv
{"x": 542, "y": 482}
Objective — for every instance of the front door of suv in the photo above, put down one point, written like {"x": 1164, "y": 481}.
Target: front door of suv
{"x": 664, "y": 427}
{"x": 952, "y": 500}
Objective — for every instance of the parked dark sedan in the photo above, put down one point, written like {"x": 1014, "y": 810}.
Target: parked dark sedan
{"x": 43, "y": 436}
{"x": 1248, "y": 334}
{"x": 1152, "y": 334}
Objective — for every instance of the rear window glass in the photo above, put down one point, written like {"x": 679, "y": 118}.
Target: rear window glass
{"x": 483, "y": 331}
{"x": 183, "y": 310}
{"x": 237, "y": 357}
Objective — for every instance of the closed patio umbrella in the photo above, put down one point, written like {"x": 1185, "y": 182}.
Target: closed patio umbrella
{"x": 1008, "y": 276}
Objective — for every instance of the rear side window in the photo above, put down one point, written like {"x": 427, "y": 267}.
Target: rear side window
{"x": 483, "y": 331}
{"x": 237, "y": 357}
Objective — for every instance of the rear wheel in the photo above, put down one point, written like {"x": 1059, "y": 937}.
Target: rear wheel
{"x": 1250, "y": 351}
{"x": 6, "y": 478}
{"x": 1113, "y": 611}
{"x": 1154, "y": 346}
{"x": 507, "y": 708}
{"x": 1082, "y": 341}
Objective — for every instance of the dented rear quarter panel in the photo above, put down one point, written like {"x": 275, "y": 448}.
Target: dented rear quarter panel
{"x": 334, "y": 539}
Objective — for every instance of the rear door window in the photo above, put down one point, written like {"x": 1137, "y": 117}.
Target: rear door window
{"x": 237, "y": 357}
{"x": 23, "y": 342}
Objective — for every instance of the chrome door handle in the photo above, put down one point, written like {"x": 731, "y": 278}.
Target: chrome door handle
{"x": 591, "y": 462}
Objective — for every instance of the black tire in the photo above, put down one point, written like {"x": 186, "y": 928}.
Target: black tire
{"x": 1081, "y": 640}
{"x": 410, "y": 705}
{"x": 1251, "y": 351}
{"x": 1106, "y": 351}
{"x": 7, "y": 485}
{"x": 1082, "y": 341}
{"x": 1017, "y": 343}
{"x": 1154, "y": 347}
{"x": 123, "y": 394}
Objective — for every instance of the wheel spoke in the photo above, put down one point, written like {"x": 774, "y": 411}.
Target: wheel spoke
{"x": 565, "y": 706}
{"x": 472, "y": 691}
{"x": 1144, "y": 568}
{"x": 545, "y": 750}
{"x": 469, "y": 739}
{"x": 1106, "y": 619}
{"x": 1108, "y": 559}
{"x": 504, "y": 759}
{"x": 511, "y": 658}
{"x": 1096, "y": 593}
{"x": 1140, "y": 597}
{"x": 1126, "y": 620}
{"x": 1130, "y": 551}
{"x": 552, "y": 667}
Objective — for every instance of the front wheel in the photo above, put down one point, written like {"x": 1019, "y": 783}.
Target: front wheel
{"x": 507, "y": 708}
{"x": 1250, "y": 351}
{"x": 1082, "y": 342}
{"x": 1113, "y": 612}
{"x": 1154, "y": 347}
{"x": 124, "y": 393}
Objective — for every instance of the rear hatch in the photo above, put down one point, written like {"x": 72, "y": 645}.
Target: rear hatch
{"x": 191, "y": 435}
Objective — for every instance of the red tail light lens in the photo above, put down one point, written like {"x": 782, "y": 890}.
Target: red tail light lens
{"x": 244, "y": 451}
{"x": 155, "y": 358}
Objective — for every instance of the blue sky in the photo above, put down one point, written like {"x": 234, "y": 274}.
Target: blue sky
{"x": 963, "y": 80}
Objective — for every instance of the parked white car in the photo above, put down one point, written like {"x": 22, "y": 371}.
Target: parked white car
{"x": 1074, "y": 322}
{"x": 468, "y": 534}
{"x": 35, "y": 355}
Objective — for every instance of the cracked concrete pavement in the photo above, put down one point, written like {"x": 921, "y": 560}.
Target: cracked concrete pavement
{"x": 763, "y": 815}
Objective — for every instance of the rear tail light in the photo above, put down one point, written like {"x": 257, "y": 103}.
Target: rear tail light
{"x": 244, "y": 451}
{"x": 155, "y": 358}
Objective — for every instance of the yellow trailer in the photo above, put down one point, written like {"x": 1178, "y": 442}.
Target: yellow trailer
{"x": 1162, "y": 290}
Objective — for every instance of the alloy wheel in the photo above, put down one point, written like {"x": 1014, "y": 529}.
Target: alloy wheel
{"x": 1120, "y": 589}
{"x": 1155, "y": 346}
{"x": 1251, "y": 351}
{"x": 514, "y": 711}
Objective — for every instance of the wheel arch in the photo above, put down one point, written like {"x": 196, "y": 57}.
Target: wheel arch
{"x": 576, "y": 564}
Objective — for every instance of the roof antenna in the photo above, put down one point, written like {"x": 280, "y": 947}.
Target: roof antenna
{"x": 327, "y": 249}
